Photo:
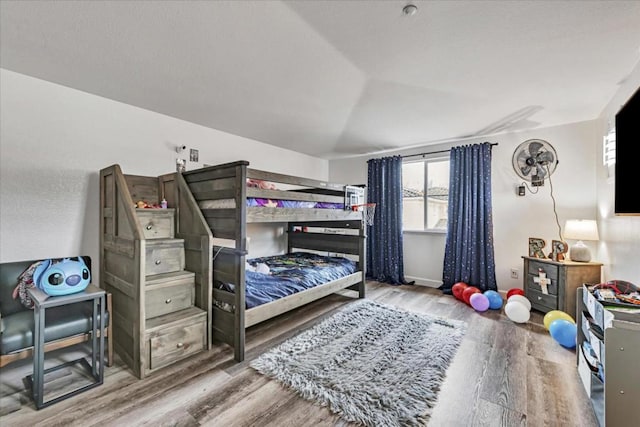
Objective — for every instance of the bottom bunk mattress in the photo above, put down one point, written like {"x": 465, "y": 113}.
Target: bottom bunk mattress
{"x": 270, "y": 278}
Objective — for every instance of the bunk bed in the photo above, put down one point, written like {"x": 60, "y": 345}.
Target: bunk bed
{"x": 318, "y": 221}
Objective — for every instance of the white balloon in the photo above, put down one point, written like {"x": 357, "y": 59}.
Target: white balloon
{"x": 517, "y": 312}
{"x": 522, "y": 299}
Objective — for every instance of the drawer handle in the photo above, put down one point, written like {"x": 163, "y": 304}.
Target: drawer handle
{"x": 167, "y": 301}
{"x": 158, "y": 262}
{"x": 149, "y": 226}
{"x": 179, "y": 345}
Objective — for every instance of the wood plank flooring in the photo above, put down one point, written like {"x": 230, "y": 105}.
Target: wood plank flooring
{"x": 504, "y": 374}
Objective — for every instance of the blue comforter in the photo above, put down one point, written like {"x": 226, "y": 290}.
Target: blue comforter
{"x": 291, "y": 273}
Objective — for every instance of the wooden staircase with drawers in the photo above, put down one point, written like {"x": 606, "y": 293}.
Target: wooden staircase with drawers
{"x": 160, "y": 281}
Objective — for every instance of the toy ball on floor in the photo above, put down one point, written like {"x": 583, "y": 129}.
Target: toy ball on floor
{"x": 466, "y": 294}
{"x": 522, "y": 299}
{"x": 479, "y": 302}
{"x": 458, "y": 288}
{"x": 495, "y": 299}
{"x": 564, "y": 332}
{"x": 514, "y": 291}
{"x": 517, "y": 311}
{"x": 553, "y": 315}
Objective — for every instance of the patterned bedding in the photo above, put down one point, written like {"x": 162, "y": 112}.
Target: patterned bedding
{"x": 288, "y": 274}
{"x": 276, "y": 203}
{"x": 271, "y": 203}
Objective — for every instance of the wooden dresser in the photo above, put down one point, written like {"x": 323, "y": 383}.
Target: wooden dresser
{"x": 565, "y": 276}
{"x": 160, "y": 304}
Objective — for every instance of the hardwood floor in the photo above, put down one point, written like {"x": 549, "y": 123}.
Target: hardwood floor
{"x": 504, "y": 374}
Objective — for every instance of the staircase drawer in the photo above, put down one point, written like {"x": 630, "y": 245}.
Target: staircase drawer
{"x": 156, "y": 223}
{"x": 164, "y": 257}
{"x": 176, "y": 343}
{"x": 167, "y": 299}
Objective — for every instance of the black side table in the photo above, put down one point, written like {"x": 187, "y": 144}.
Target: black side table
{"x": 42, "y": 302}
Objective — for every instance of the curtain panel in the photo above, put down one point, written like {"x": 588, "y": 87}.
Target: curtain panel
{"x": 384, "y": 237}
{"x": 469, "y": 254}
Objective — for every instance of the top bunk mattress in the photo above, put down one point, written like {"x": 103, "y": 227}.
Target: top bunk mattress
{"x": 276, "y": 203}
{"x": 270, "y": 278}
{"x": 253, "y": 202}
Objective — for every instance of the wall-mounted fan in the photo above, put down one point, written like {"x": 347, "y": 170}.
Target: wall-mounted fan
{"x": 534, "y": 160}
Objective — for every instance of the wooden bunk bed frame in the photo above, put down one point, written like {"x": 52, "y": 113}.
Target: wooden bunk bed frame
{"x": 229, "y": 181}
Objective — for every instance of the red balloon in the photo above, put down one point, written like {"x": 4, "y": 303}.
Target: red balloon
{"x": 466, "y": 294}
{"x": 515, "y": 291}
{"x": 458, "y": 288}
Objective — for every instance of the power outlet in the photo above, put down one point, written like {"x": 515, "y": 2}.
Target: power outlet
{"x": 514, "y": 273}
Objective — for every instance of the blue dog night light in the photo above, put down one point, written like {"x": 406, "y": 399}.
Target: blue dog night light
{"x": 62, "y": 278}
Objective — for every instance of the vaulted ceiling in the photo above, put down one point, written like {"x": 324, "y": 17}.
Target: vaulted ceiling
{"x": 335, "y": 78}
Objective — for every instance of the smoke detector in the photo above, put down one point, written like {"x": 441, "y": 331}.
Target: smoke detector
{"x": 410, "y": 10}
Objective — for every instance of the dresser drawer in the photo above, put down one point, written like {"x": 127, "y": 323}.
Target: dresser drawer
{"x": 550, "y": 269}
{"x": 156, "y": 223}
{"x": 552, "y": 288}
{"x": 542, "y": 302}
{"x": 176, "y": 343}
{"x": 167, "y": 299}
{"x": 164, "y": 256}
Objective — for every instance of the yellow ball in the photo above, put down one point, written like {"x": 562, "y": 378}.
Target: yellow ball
{"x": 555, "y": 315}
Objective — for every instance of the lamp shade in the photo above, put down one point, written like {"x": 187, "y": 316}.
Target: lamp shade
{"x": 581, "y": 229}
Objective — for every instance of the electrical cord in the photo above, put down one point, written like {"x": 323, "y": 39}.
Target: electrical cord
{"x": 555, "y": 212}
{"x": 530, "y": 190}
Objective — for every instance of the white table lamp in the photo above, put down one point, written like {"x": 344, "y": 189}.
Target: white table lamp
{"x": 580, "y": 229}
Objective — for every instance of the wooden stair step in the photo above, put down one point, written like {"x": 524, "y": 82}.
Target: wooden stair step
{"x": 191, "y": 314}
{"x": 171, "y": 278}
{"x": 165, "y": 242}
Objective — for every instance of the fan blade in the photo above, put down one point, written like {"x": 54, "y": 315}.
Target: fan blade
{"x": 545, "y": 157}
{"x": 534, "y": 147}
{"x": 525, "y": 170}
{"x": 522, "y": 156}
{"x": 540, "y": 171}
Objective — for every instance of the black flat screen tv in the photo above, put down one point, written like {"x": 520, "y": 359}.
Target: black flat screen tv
{"x": 627, "y": 175}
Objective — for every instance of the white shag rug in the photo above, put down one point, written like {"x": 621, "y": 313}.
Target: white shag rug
{"x": 370, "y": 363}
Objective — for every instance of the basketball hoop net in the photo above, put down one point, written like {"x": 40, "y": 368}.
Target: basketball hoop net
{"x": 368, "y": 211}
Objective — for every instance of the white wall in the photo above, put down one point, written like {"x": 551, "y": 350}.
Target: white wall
{"x": 54, "y": 141}
{"x": 515, "y": 219}
{"x": 619, "y": 246}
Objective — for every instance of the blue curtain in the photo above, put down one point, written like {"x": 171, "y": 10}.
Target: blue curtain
{"x": 469, "y": 253}
{"x": 384, "y": 237}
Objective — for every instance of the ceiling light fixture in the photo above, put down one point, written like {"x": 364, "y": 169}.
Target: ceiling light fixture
{"x": 410, "y": 10}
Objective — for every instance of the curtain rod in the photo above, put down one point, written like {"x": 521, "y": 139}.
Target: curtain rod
{"x": 436, "y": 152}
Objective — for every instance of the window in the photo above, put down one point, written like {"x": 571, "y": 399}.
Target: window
{"x": 430, "y": 177}
{"x": 609, "y": 148}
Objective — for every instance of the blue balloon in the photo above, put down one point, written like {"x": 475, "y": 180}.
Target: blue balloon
{"x": 495, "y": 299}
{"x": 564, "y": 332}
